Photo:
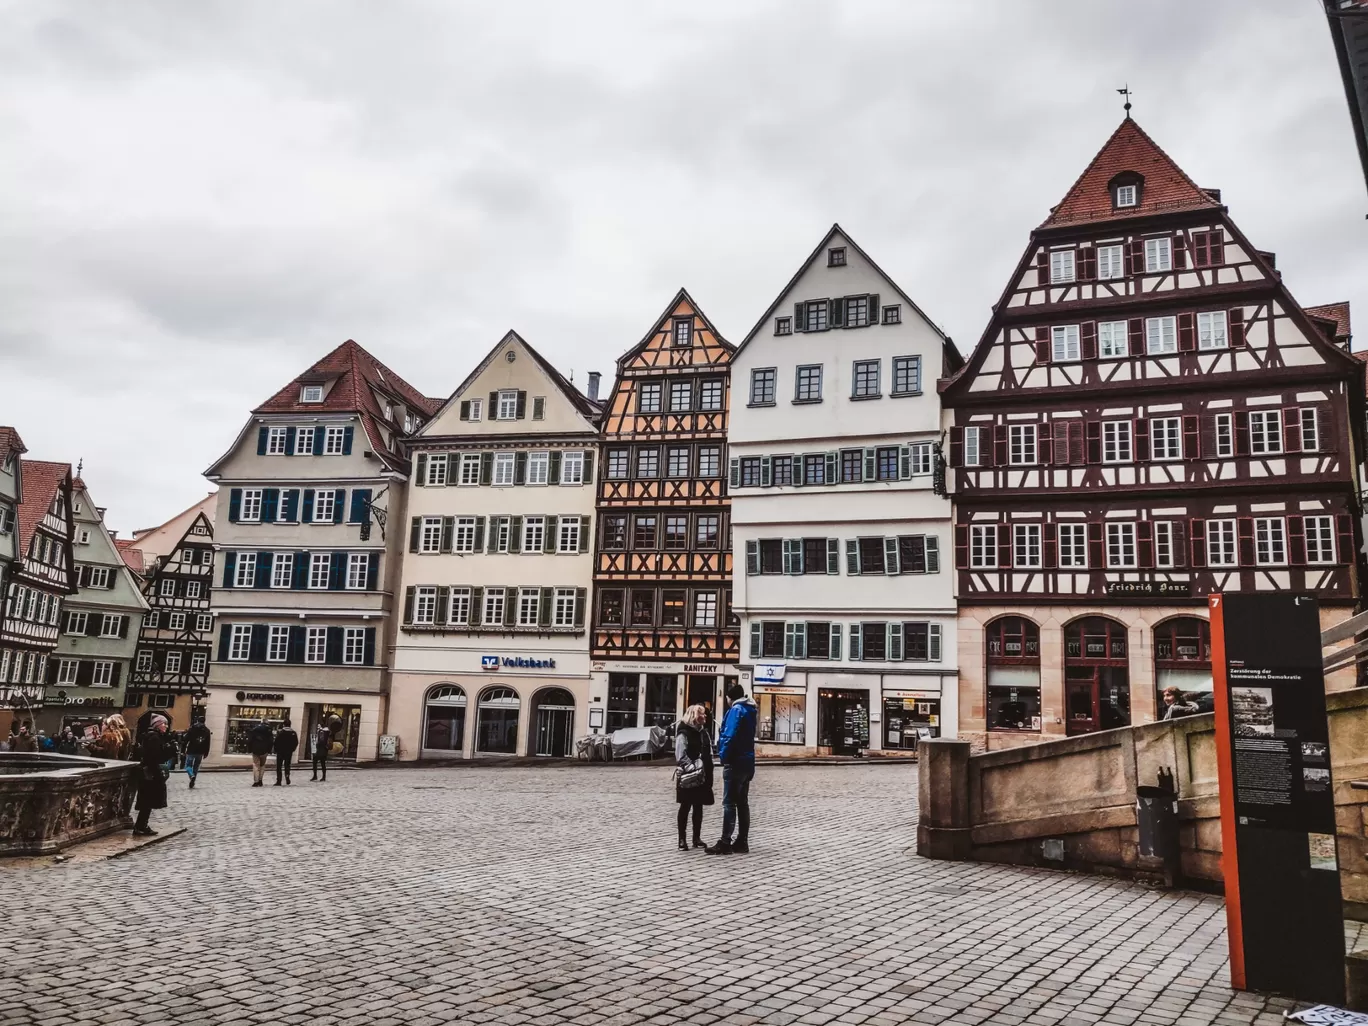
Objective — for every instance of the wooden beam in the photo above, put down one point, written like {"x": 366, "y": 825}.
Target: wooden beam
{"x": 1342, "y": 657}
{"x": 1356, "y": 624}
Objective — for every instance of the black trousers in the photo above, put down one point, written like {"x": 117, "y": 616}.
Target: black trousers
{"x": 283, "y": 764}
{"x": 697, "y": 808}
{"x": 320, "y": 762}
{"x": 143, "y": 816}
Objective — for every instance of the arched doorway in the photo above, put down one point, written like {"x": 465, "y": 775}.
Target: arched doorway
{"x": 1182, "y": 660}
{"x": 496, "y": 726}
{"x": 1096, "y": 676}
{"x": 444, "y": 721}
{"x": 1013, "y": 663}
{"x": 553, "y": 723}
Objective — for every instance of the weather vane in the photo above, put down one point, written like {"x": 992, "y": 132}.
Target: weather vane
{"x": 1126, "y": 92}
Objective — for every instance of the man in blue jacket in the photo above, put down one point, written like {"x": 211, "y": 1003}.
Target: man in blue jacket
{"x": 736, "y": 752}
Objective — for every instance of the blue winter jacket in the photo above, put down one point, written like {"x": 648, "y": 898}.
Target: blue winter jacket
{"x": 736, "y": 743}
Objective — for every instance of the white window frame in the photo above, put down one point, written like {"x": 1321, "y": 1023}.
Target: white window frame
{"x": 1111, "y": 262}
{"x": 1117, "y": 442}
{"x": 68, "y": 668}
{"x": 192, "y": 589}
{"x": 249, "y": 512}
{"x": 529, "y": 598}
{"x": 436, "y": 470}
{"x": 425, "y": 605}
{"x": 275, "y": 441}
{"x": 1320, "y": 540}
{"x": 1064, "y": 346}
{"x": 244, "y": 574}
{"x": 572, "y": 467}
{"x": 494, "y": 600}
{"x": 334, "y": 437}
{"x": 101, "y": 577}
{"x": 167, "y": 588}
{"x": 476, "y": 409}
{"x": 1211, "y": 330}
{"x": 353, "y": 646}
{"x": 1310, "y": 429}
{"x": 1022, "y": 448}
{"x": 568, "y": 534}
{"x": 922, "y": 456}
{"x": 508, "y": 405}
{"x": 1225, "y": 435}
{"x": 1163, "y": 544}
{"x": 1061, "y": 266}
{"x": 1268, "y": 433}
{"x": 1222, "y": 543}
{"x": 1270, "y": 541}
{"x": 1122, "y": 550}
{"x": 539, "y": 467}
{"x": 458, "y": 609}
{"x": 505, "y": 469}
{"x": 101, "y": 673}
{"x": 533, "y": 534}
{"x": 358, "y": 570}
{"x": 143, "y": 665}
{"x": 1127, "y": 195}
{"x": 463, "y": 536}
{"x": 324, "y": 505}
{"x": 199, "y": 662}
{"x": 705, "y": 609}
{"x": 282, "y": 569}
{"x": 983, "y": 546}
{"x": 1166, "y": 438}
{"x": 430, "y": 535}
{"x": 1161, "y": 335}
{"x": 1026, "y": 547}
{"x": 1113, "y": 340}
{"x": 1158, "y": 255}
{"x": 175, "y": 622}
{"x": 315, "y": 644}
{"x": 563, "y": 609}
{"x": 320, "y": 569}
{"x": 304, "y": 440}
{"x": 277, "y": 644}
{"x": 973, "y": 446}
{"x": 109, "y": 625}
{"x": 204, "y": 622}
{"x": 470, "y": 469}
{"x": 240, "y": 643}
{"x": 311, "y": 394}
{"x": 1072, "y": 543}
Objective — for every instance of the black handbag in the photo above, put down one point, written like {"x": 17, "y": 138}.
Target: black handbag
{"x": 694, "y": 776}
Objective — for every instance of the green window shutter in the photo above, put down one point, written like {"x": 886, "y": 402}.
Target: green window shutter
{"x": 853, "y": 559}
{"x": 443, "y": 606}
{"x": 476, "y": 606}
{"x": 871, "y": 464}
{"x": 522, "y": 405}
{"x": 874, "y": 311}
{"x": 588, "y": 466}
{"x": 766, "y": 471}
{"x": 515, "y": 534}
{"x": 734, "y": 472}
{"x": 479, "y": 534}
{"x": 855, "y": 640}
{"x": 409, "y": 594}
{"x": 833, "y": 555}
{"x": 339, "y": 506}
{"x": 755, "y": 640}
{"x": 934, "y": 643}
{"x": 932, "y": 554}
{"x": 835, "y": 629}
{"x": 553, "y": 468}
{"x": 262, "y": 434}
{"x": 549, "y": 533}
{"x": 347, "y": 433}
{"x": 234, "y": 504}
{"x": 510, "y": 607}
{"x": 548, "y": 596}
{"x": 892, "y": 565}
{"x": 895, "y": 642}
{"x": 486, "y": 468}
{"x": 833, "y": 468}
{"x": 420, "y": 470}
{"x": 448, "y": 532}
{"x": 752, "y": 558}
{"x": 581, "y": 601}
{"x": 465, "y": 409}
{"x": 415, "y": 532}
{"x": 904, "y": 462}
{"x": 520, "y": 468}
{"x": 797, "y": 470}
{"x": 585, "y": 534}
{"x": 790, "y": 637}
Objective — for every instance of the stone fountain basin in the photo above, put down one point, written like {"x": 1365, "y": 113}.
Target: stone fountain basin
{"x": 48, "y": 802}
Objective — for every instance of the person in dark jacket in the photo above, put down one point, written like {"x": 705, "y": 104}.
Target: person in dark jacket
{"x": 197, "y": 740}
{"x": 286, "y": 741}
{"x": 322, "y": 742}
{"x": 152, "y": 781}
{"x": 260, "y": 741}
{"x": 736, "y": 752}
{"x": 692, "y": 744}
{"x": 24, "y": 741}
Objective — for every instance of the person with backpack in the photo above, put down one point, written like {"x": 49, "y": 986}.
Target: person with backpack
{"x": 736, "y": 752}
{"x": 286, "y": 741}
{"x": 322, "y": 741}
{"x": 260, "y": 741}
{"x": 197, "y": 740}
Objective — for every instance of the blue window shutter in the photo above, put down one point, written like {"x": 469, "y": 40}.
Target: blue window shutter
{"x": 319, "y": 434}
{"x": 257, "y": 653}
{"x": 369, "y": 658}
{"x": 234, "y": 505}
{"x": 337, "y": 572}
{"x": 295, "y": 652}
{"x": 229, "y": 568}
{"x": 289, "y": 441}
{"x": 290, "y": 500}
{"x": 373, "y": 571}
{"x": 263, "y": 570}
{"x": 339, "y": 505}
{"x": 359, "y": 501}
{"x": 346, "y": 441}
{"x": 307, "y": 515}
{"x": 225, "y": 632}
{"x": 262, "y": 434}
{"x": 270, "y": 500}
{"x": 301, "y": 571}
{"x": 334, "y": 651}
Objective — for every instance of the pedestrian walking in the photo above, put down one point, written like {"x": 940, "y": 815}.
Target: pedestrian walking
{"x": 152, "y": 781}
{"x": 260, "y": 741}
{"x": 736, "y": 752}
{"x": 197, "y": 740}
{"x": 286, "y": 741}
{"x": 322, "y": 741}
{"x": 694, "y": 777}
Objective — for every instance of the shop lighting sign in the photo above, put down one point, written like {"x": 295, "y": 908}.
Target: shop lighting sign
{"x": 493, "y": 663}
{"x": 769, "y": 673}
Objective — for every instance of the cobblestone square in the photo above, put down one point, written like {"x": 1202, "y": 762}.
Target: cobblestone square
{"x": 556, "y": 895}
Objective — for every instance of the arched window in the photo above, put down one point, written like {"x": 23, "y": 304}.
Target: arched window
{"x": 496, "y": 726}
{"x": 444, "y": 720}
{"x": 1182, "y": 660}
{"x": 553, "y": 724}
{"x": 1013, "y": 662}
{"x": 1096, "y": 675}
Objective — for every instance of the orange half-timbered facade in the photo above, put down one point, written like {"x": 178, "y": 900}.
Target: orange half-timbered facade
{"x": 1150, "y": 417}
{"x": 664, "y": 636}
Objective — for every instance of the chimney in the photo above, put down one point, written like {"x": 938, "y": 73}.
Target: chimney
{"x": 594, "y": 384}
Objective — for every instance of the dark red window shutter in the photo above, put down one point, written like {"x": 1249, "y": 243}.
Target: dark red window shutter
{"x": 1144, "y": 543}
{"x": 1348, "y": 551}
{"x": 1000, "y": 445}
{"x": 1061, "y": 443}
{"x": 1245, "y": 528}
{"x": 957, "y": 447}
{"x": 1291, "y": 429}
{"x": 1217, "y": 243}
{"x": 1088, "y": 334}
{"x": 1042, "y": 345}
{"x": 1192, "y": 439}
{"x": 1096, "y": 557}
{"x": 1241, "y": 433}
{"x": 1094, "y": 446}
{"x": 1179, "y": 251}
{"x": 1087, "y": 263}
{"x": 1180, "y": 552}
{"x": 1296, "y": 541}
{"x": 1135, "y": 331}
{"x": 1135, "y": 256}
{"x": 962, "y": 546}
{"x": 1049, "y": 543}
{"x": 1236, "y": 322}
{"x": 1197, "y": 535}
{"x": 1078, "y": 453}
{"x": 1045, "y": 442}
{"x": 1142, "y": 439}
{"x": 1043, "y": 266}
{"x": 1187, "y": 332}
{"x": 1004, "y": 552}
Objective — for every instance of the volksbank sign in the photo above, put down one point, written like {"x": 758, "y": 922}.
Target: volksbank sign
{"x": 492, "y": 663}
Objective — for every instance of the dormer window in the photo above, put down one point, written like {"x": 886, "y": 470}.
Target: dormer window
{"x": 1127, "y": 195}
{"x": 836, "y": 256}
{"x": 311, "y": 394}
{"x": 683, "y": 332}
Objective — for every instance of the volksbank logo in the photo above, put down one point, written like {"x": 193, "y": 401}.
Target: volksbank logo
{"x": 493, "y": 663}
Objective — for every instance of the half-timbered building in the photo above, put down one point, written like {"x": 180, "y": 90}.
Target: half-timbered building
{"x": 11, "y": 457}
{"x": 40, "y": 579}
{"x": 492, "y": 656}
{"x": 1149, "y": 417}
{"x": 89, "y": 672}
{"x": 171, "y": 665}
{"x": 840, "y": 528}
{"x": 664, "y": 634}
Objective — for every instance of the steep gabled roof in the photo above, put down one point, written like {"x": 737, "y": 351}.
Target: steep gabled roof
{"x": 1337, "y": 312}
{"x": 590, "y": 408}
{"x": 10, "y": 444}
{"x": 681, "y": 296}
{"x": 132, "y": 557}
{"x": 953, "y": 359}
{"x": 41, "y": 482}
{"x": 1166, "y": 187}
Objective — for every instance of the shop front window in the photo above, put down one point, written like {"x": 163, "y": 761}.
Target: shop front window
{"x": 843, "y": 717}
{"x": 446, "y": 716}
{"x": 344, "y": 725}
{"x": 662, "y": 692}
{"x": 624, "y": 700}
{"x": 782, "y": 718}
{"x": 1182, "y": 660}
{"x": 241, "y": 720}
{"x": 1096, "y": 676}
{"x": 1013, "y": 657}
{"x": 497, "y": 727}
{"x": 909, "y": 719}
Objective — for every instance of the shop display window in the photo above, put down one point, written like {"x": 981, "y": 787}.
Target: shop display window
{"x": 1013, "y": 662}
{"x": 908, "y": 720}
{"x": 241, "y": 720}
{"x": 1096, "y": 675}
{"x": 662, "y": 695}
{"x": 1182, "y": 659}
{"x": 624, "y": 700}
{"x": 782, "y": 718}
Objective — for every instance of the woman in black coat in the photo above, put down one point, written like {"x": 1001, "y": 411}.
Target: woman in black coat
{"x": 155, "y": 750}
{"x": 692, "y": 743}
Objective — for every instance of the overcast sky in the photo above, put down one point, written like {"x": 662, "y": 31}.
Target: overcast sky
{"x": 198, "y": 200}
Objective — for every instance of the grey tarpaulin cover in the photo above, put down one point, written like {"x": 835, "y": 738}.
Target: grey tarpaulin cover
{"x": 638, "y": 741}
{"x": 1328, "y": 1015}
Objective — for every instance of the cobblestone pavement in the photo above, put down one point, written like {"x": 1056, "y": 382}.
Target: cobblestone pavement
{"x": 556, "y": 895}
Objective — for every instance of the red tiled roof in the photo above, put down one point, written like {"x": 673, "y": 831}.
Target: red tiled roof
{"x": 10, "y": 443}
{"x": 133, "y": 558}
{"x": 1337, "y": 312}
{"x": 1165, "y": 188}
{"x": 354, "y": 375}
{"x": 41, "y": 481}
